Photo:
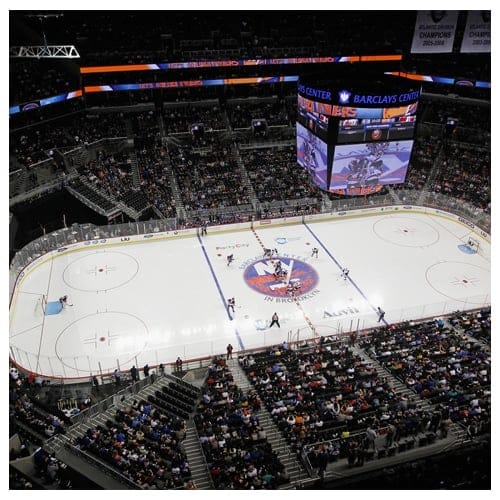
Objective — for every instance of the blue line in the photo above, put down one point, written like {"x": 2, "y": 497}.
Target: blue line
{"x": 340, "y": 267}
{"x": 220, "y": 290}
{"x": 240, "y": 342}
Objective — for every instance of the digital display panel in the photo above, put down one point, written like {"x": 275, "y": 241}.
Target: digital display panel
{"x": 239, "y": 62}
{"x": 370, "y": 164}
{"x": 312, "y": 155}
{"x": 391, "y": 124}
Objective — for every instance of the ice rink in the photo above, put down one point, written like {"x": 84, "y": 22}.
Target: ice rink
{"x": 153, "y": 300}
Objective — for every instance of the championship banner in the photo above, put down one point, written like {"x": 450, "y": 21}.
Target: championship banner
{"x": 434, "y": 31}
{"x": 477, "y": 32}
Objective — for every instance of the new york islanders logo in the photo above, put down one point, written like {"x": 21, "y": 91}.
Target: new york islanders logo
{"x": 261, "y": 277}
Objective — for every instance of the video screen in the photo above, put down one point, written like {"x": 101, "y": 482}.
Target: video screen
{"x": 370, "y": 164}
{"x": 380, "y": 124}
{"x": 317, "y": 123}
{"x": 312, "y": 155}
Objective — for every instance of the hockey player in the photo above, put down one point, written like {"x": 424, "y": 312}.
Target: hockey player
{"x": 231, "y": 303}
{"x": 345, "y": 273}
{"x": 267, "y": 252}
{"x": 314, "y": 252}
{"x": 230, "y": 259}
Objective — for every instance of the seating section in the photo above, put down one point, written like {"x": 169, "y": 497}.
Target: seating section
{"x": 241, "y": 114}
{"x": 464, "y": 175}
{"x": 208, "y": 179}
{"x": 442, "y": 364}
{"x": 275, "y": 175}
{"x": 92, "y": 195}
{"x": 155, "y": 183}
{"x": 143, "y": 443}
{"x": 237, "y": 452}
{"x": 179, "y": 119}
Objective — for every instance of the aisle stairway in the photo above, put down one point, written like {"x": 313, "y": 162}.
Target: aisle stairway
{"x": 245, "y": 179}
{"x": 287, "y": 457}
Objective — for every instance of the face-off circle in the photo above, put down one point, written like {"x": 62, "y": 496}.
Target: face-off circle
{"x": 260, "y": 277}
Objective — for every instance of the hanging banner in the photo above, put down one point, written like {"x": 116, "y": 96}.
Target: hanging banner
{"x": 434, "y": 31}
{"x": 477, "y": 32}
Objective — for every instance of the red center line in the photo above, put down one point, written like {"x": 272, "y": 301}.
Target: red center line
{"x": 295, "y": 299}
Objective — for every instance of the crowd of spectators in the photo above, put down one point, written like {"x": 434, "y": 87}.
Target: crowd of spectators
{"x": 242, "y": 113}
{"x": 146, "y": 128}
{"x": 464, "y": 174}
{"x": 204, "y": 177}
{"x": 210, "y": 179}
{"x": 180, "y": 118}
{"x": 144, "y": 444}
{"x": 25, "y": 407}
{"x": 34, "y": 145}
{"x": 442, "y": 364}
{"x": 110, "y": 172}
{"x": 33, "y": 79}
{"x": 275, "y": 175}
{"x": 48, "y": 472}
{"x": 90, "y": 127}
{"x": 235, "y": 445}
{"x": 18, "y": 481}
{"x": 155, "y": 183}
{"x": 425, "y": 151}
{"x": 327, "y": 393}
{"x": 476, "y": 324}
{"x": 473, "y": 119}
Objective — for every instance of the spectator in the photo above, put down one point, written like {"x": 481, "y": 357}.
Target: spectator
{"x": 117, "y": 375}
{"x": 178, "y": 364}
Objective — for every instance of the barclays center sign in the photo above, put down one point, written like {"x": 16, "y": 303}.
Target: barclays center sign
{"x": 357, "y": 97}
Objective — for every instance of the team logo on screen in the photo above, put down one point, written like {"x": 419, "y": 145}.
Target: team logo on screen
{"x": 264, "y": 277}
{"x": 344, "y": 96}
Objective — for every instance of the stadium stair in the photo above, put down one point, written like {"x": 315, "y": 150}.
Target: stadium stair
{"x": 235, "y": 155}
{"x": 100, "y": 472}
{"x": 286, "y": 456}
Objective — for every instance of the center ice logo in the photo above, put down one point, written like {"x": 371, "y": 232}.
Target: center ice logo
{"x": 261, "y": 276}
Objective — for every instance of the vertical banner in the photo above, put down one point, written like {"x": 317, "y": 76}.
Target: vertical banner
{"x": 477, "y": 32}
{"x": 434, "y": 31}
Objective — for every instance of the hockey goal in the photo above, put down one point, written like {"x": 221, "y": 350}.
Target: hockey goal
{"x": 473, "y": 244}
{"x": 41, "y": 304}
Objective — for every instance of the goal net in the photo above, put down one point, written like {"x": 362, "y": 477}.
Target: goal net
{"x": 41, "y": 304}
{"x": 473, "y": 244}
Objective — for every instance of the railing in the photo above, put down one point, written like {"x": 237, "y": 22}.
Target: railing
{"x": 381, "y": 431}
{"x": 103, "y": 466}
{"x": 202, "y": 454}
{"x": 110, "y": 401}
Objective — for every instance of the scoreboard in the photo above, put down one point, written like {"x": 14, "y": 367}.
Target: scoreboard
{"x": 361, "y": 130}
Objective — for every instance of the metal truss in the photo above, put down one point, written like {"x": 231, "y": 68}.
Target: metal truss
{"x": 45, "y": 51}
